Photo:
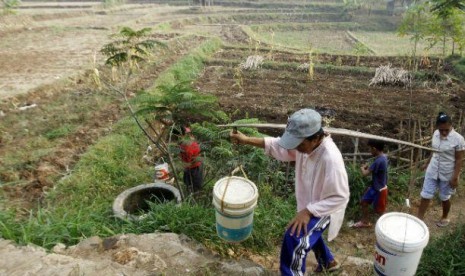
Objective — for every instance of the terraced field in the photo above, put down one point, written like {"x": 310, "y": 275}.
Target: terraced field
{"x": 52, "y": 113}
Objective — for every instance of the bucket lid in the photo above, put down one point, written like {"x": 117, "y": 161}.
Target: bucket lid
{"x": 240, "y": 192}
{"x": 402, "y": 232}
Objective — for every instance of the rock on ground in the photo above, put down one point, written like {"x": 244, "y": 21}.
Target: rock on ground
{"x": 148, "y": 254}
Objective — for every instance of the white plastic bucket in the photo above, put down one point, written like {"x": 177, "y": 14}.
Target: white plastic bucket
{"x": 162, "y": 171}
{"x": 235, "y": 199}
{"x": 400, "y": 239}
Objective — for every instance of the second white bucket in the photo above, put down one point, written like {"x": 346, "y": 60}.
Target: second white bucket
{"x": 400, "y": 239}
{"x": 235, "y": 199}
{"x": 162, "y": 172}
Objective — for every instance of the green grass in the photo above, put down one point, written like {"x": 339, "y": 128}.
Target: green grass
{"x": 331, "y": 37}
{"x": 80, "y": 205}
{"x": 323, "y": 41}
{"x": 390, "y": 44}
{"x": 197, "y": 220}
{"x": 459, "y": 68}
{"x": 456, "y": 65}
{"x": 290, "y": 26}
{"x": 190, "y": 66}
{"x": 27, "y": 137}
{"x": 274, "y": 5}
{"x": 59, "y": 132}
{"x": 445, "y": 255}
{"x": 292, "y": 66}
{"x": 165, "y": 26}
{"x": 24, "y": 158}
{"x": 318, "y": 37}
{"x": 260, "y": 18}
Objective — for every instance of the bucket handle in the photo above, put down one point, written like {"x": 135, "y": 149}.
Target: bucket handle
{"x": 227, "y": 184}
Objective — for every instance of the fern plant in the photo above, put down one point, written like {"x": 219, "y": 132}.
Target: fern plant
{"x": 129, "y": 47}
{"x": 223, "y": 157}
{"x": 181, "y": 104}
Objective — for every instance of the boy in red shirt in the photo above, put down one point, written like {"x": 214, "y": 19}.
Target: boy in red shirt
{"x": 190, "y": 155}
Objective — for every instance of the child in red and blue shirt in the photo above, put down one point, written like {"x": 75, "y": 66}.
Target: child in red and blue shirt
{"x": 190, "y": 155}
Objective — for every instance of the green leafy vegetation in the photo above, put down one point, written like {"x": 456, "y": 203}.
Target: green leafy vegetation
{"x": 8, "y": 6}
{"x": 129, "y": 46}
{"x": 111, "y": 3}
{"x": 189, "y": 67}
{"x": 457, "y": 64}
{"x": 361, "y": 49}
{"x": 179, "y": 103}
{"x": 291, "y": 66}
{"x": 59, "y": 132}
{"x": 444, "y": 255}
{"x": 439, "y": 24}
{"x": 445, "y": 7}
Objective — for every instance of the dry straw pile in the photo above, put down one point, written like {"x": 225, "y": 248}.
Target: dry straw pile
{"x": 303, "y": 67}
{"x": 252, "y": 62}
{"x": 386, "y": 75}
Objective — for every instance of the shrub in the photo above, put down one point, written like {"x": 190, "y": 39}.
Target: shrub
{"x": 456, "y": 65}
{"x": 9, "y": 5}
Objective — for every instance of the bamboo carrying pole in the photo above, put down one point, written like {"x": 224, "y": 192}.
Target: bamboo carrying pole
{"x": 338, "y": 131}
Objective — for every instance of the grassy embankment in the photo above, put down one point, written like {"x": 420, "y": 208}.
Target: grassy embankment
{"x": 80, "y": 204}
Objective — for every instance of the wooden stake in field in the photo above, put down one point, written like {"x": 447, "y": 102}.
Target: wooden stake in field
{"x": 401, "y": 131}
{"x": 355, "y": 141}
{"x": 412, "y": 152}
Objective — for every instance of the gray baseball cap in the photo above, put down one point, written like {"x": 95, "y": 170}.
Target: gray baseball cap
{"x": 302, "y": 124}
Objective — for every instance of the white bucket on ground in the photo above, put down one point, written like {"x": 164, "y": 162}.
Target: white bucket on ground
{"x": 400, "y": 239}
{"x": 235, "y": 199}
{"x": 162, "y": 172}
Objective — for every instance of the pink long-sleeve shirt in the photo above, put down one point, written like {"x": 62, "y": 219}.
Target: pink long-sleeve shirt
{"x": 321, "y": 183}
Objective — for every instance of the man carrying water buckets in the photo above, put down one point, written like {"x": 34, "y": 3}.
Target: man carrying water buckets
{"x": 321, "y": 187}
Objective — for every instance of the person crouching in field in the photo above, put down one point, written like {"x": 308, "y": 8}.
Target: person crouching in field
{"x": 377, "y": 193}
{"x": 190, "y": 155}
